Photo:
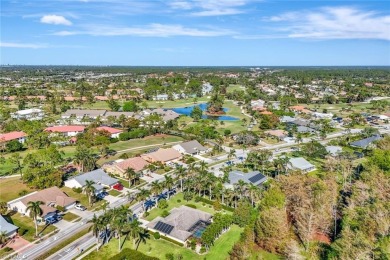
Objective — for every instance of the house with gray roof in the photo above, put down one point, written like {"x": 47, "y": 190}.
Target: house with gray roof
{"x": 9, "y": 229}
{"x": 305, "y": 129}
{"x": 81, "y": 113}
{"x": 190, "y": 147}
{"x": 181, "y": 223}
{"x": 300, "y": 163}
{"x": 333, "y": 150}
{"x": 364, "y": 143}
{"x": 98, "y": 176}
{"x": 255, "y": 178}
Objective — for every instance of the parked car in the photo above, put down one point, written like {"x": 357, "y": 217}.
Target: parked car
{"x": 80, "y": 207}
{"x": 118, "y": 186}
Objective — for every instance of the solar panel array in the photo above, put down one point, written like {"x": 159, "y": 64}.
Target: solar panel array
{"x": 163, "y": 227}
{"x": 256, "y": 178}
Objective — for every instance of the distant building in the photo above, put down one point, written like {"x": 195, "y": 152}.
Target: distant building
{"x": 364, "y": 143}
{"x": 207, "y": 88}
{"x": 302, "y": 164}
{"x": 15, "y": 135}
{"x": 161, "y": 97}
{"x": 255, "y": 178}
{"x": 81, "y": 113}
{"x": 162, "y": 155}
{"x": 100, "y": 177}
{"x": 66, "y": 130}
{"x": 334, "y": 150}
{"x": 114, "y": 133}
{"x": 279, "y": 134}
{"x": 29, "y": 114}
{"x": 190, "y": 147}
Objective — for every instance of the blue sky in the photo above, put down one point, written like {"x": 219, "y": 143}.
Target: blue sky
{"x": 195, "y": 32}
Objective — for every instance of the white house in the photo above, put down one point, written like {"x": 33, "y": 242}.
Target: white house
{"x": 98, "y": 176}
{"x": 29, "y": 114}
{"x": 51, "y": 198}
{"x": 114, "y": 133}
{"x": 66, "y": 130}
{"x": 191, "y": 147}
{"x": 207, "y": 88}
{"x": 323, "y": 115}
{"x": 301, "y": 164}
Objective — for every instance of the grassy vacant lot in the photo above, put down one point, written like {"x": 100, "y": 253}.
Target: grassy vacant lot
{"x": 336, "y": 108}
{"x": 114, "y": 193}
{"x": 26, "y": 223}
{"x": 176, "y": 103}
{"x": 11, "y": 187}
{"x": 159, "y": 248}
{"x": 173, "y": 203}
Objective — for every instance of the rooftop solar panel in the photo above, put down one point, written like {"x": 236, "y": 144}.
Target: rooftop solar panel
{"x": 256, "y": 178}
{"x": 163, "y": 227}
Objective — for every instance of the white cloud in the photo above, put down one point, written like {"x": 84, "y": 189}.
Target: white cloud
{"x": 209, "y": 7}
{"x": 22, "y": 45}
{"x": 152, "y": 30}
{"x": 55, "y": 19}
{"x": 335, "y": 23}
{"x": 218, "y": 12}
{"x": 183, "y": 5}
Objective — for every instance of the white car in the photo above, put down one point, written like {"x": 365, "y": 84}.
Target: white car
{"x": 80, "y": 207}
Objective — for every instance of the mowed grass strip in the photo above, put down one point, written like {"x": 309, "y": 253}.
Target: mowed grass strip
{"x": 11, "y": 187}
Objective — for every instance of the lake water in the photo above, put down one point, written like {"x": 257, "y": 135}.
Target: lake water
{"x": 187, "y": 111}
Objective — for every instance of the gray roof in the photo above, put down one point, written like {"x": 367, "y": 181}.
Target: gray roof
{"x": 333, "y": 150}
{"x": 301, "y": 164}
{"x": 255, "y": 177}
{"x": 84, "y": 112}
{"x": 6, "y": 227}
{"x": 305, "y": 129}
{"x": 118, "y": 114}
{"x": 301, "y": 122}
{"x": 182, "y": 219}
{"x": 192, "y": 147}
{"x": 287, "y": 119}
{"x": 366, "y": 142}
{"x": 98, "y": 176}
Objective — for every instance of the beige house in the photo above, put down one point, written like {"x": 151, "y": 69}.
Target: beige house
{"x": 162, "y": 155}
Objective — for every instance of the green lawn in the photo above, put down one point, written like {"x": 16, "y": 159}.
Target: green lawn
{"x": 159, "y": 248}
{"x": 150, "y": 140}
{"x": 11, "y": 187}
{"x": 26, "y": 223}
{"x": 173, "y": 203}
{"x": 233, "y": 87}
{"x": 69, "y": 216}
{"x": 176, "y": 103}
{"x": 82, "y": 198}
{"x": 114, "y": 193}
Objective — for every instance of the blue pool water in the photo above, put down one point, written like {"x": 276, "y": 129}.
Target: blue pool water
{"x": 187, "y": 111}
{"x": 198, "y": 233}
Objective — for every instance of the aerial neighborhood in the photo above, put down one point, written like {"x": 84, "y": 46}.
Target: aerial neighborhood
{"x": 216, "y": 163}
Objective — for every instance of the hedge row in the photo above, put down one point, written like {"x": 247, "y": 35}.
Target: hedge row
{"x": 212, "y": 203}
{"x": 130, "y": 254}
{"x": 166, "y": 238}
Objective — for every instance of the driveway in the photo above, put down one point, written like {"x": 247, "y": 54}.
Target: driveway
{"x": 80, "y": 213}
{"x": 111, "y": 199}
{"x": 204, "y": 159}
{"x": 152, "y": 177}
{"x": 18, "y": 243}
{"x": 63, "y": 225}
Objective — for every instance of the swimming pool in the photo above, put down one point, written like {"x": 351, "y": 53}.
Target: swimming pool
{"x": 198, "y": 228}
{"x": 187, "y": 111}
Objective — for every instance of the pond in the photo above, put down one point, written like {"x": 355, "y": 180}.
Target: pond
{"x": 187, "y": 111}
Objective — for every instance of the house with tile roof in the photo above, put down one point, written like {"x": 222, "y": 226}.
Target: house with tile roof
{"x": 114, "y": 133}
{"x": 119, "y": 167}
{"x": 66, "y": 130}
{"x": 15, "y": 135}
{"x": 51, "y": 197}
{"x": 162, "y": 155}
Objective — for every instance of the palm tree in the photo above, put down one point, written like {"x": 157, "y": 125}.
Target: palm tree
{"x": 3, "y": 238}
{"x": 253, "y": 192}
{"x": 168, "y": 183}
{"x": 34, "y": 207}
{"x": 84, "y": 159}
{"x": 143, "y": 236}
{"x": 97, "y": 226}
{"x": 131, "y": 175}
{"x": 232, "y": 153}
{"x": 181, "y": 173}
{"x": 263, "y": 156}
{"x": 89, "y": 190}
{"x": 142, "y": 195}
{"x": 135, "y": 231}
{"x": 156, "y": 187}
{"x": 240, "y": 186}
{"x": 203, "y": 166}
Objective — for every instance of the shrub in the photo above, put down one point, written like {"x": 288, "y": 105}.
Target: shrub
{"x": 202, "y": 250}
{"x": 114, "y": 140}
{"x": 7, "y": 249}
{"x": 78, "y": 190}
{"x": 124, "y": 156}
{"x": 60, "y": 208}
{"x": 146, "y": 213}
{"x": 156, "y": 235}
{"x": 178, "y": 201}
{"x": 23, "y": 192}
{"x": 165, "y": 213}
{"x": 198, "y": 198}
{"x": 22, "y": 231}
{"x": 217, "y": 205}
{"x": 245, "y": 170}
{"x": 191, "y": 206}
{"x": 128, "y": 253}
{"x": 206, "y": 201}
{"x": 162, "y": 204}
{"x": 169, "y": 256}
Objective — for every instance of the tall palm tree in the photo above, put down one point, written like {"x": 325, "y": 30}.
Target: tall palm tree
{"x": 143, "y": 236}
{"x": 97, "y": 226}
{"x": 231, "y": 154}
{"x": 263, "y": 156}
{"x": 253, "y": 193}
{"x": 84, "y": 159}
{"x": 89, "y": 190}
{"x": 131, "y": 175}
{"x": 34, "y": 208}
{"x": 155, "y": 187}
{"x": 181, "y": 173}
{"x": 142, "y": 195}
{"x": 168, "y": 183}
{"x": 135, "y": 231}
{"x": 240, "y": 186}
